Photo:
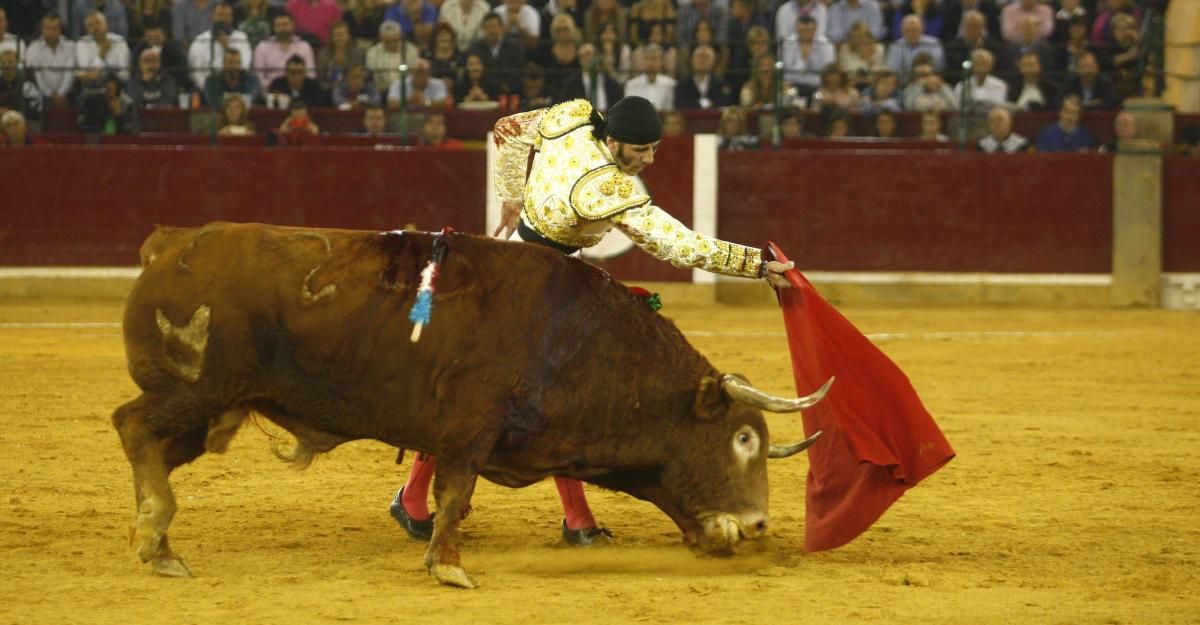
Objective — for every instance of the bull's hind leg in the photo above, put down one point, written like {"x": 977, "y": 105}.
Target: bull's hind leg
{"x": 157, "y": 437}
{"x": 452, "y": 489}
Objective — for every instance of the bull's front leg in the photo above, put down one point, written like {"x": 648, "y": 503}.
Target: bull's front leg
{"x": 452, "y": 489}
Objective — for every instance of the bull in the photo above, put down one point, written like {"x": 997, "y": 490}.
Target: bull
{"x": 533, "y": 365}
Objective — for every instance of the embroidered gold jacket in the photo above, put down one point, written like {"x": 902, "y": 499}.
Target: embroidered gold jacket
{"x": 575, "y": 194}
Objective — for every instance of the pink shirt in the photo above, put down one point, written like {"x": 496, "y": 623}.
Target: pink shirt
{"x": 1010, "y": 21}
{"x": 313, "y": 17}
{"x": 270, "y": 59}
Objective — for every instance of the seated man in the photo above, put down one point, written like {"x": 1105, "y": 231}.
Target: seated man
{"x": 150, "y": 87}
{"x": 1094, "y": 90}
{"x": 232, "y": 79}
{"x": 433, "y": 133}
{"x": 1000, "y": 138}
{"x": 927, "y": 91}
{"x": 1066, "y": 135}
{"x": 1031, "y": 92}
{"x": 420, "y": 90}
{"x": 374, "y": 121}
{"x": 296, "y": 85}
{"x": 576, "y": 147}
{"x": 14, "y": 133}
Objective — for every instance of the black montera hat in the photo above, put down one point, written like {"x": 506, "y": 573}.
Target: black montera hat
{"x": 633, "y": 120}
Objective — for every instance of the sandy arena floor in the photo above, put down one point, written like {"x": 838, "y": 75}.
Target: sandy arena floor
{"x": 1075, "y": 497}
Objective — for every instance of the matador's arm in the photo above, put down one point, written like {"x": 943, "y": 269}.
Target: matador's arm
{"x": 514, "y": 137}
{"x": 660, "y": 234}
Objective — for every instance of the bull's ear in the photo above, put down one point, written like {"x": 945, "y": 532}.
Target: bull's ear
{"x": 710, "y": 401}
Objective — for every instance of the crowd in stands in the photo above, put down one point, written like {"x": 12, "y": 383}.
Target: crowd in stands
{"x": 108, "y": 60}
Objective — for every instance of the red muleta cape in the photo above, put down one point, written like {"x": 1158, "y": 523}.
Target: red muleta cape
{"x": 879, "y": 440}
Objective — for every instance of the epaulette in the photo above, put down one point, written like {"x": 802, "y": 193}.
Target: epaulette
{"x": 604, "y": 192}
{"x": 565, "y": 117}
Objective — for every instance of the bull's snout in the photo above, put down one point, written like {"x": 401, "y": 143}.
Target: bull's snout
{"x": 723, "y": 532}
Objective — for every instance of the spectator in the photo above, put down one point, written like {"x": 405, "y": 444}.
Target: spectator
{"x": 974, "y": 36}
{"x": 101, "y": 52}
{"x": 374, "y": 121}
{"x": 1070, "y": 12}
{"x": 644, "y": 14}
{"x": 520, "y": 21}
{"x": 860, "y": 56}
{"x": 884, "y": 94}
{"x": 742, "y": 18}
{"x": 1066, "y": 135}
{"x": 420, "y": 89}
{"x": 1124, "y": 129}
{"x": 1094, "y": 90}
{"x": 703, "y": 36}
{"x": 602, "y": 13}
{"x": 560, "y": 57}
{"x": 504, "y": 57}
{"x": 14, "y": 133}
{"x": 1028, "y": 42}
{"x": 553, "y": 8}
{"x": 477, "y": 83}
{"x": 233, "y": 79}
{"x": 1067, "y": 52}
{"x": 805, "y": 55}
{"x": 445, "y": 60}
{"x": 927, "y": 92}
{"x": 674, "y": 124}
{"x": 210, "y": 45}
{"x": 189, "y": 18}
{"x": 691, "y": 13}
{"x": 52, "y": 59}
{"x": 844, "y": 15}
{"x": 931, "y": 127}
{"x": 150, "y": 88}
{"x": 235, "y": 118}
{"x": 670, "y": 55}
{"x": 837, "y": 123}
{"x": 355, "y": 90}
{"x": 791, "y": 125}
{"x": 254, "y": 17}
{"x": 465, "y": 18}
{"x": 116, "y": 18}
{"x": 433, "y": 133}
{"x": 652, "y": 84}
{"x": 365, "y": 17}
{"x": 702, "y": 90}
{"x": 296, "y": 84}
{"x": 1031, "y": 92}
{"x": 614, "y": 53}
{"x": 790, "y": 11}
{"x": 928, "y": 11}
{"x": 986, "y": 91}
{"x": 912, "y": 42}
{"x": 835, "y": 92}
{"x": 1124, "y": 57}
{"x": 272, "y": 54}
{"x": 416, "y": 19}
{"x": 9, "y": 41}
{"x": 298, "y": 121}
{"x": 1018, "y": 10}
{"x": 314, "y": 17}
{"x": 956, "y": 12}
{"x": 1000, "y": 138}
{"x": 337, "y": 56}
{"x": 105, "y": 108}
{"x": 143, "y": 13}
{"x": 759, "y": 91}
{"x": 741, "y": 58}
{"x": 885, "y": 124}
{"x": 1102, "y": 26}
{"x": 173, "y": 57}
{"x": 533, "y": 88}
{"x": 592, "y": 81}
{"x": 732, "y": 131}
{"x": 17, "y": 93}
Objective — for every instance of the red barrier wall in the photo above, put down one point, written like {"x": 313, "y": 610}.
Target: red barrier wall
{"x": 1181, "y": 214}
{"x": 871, "y": 211}
{"x": 94, "y": 206}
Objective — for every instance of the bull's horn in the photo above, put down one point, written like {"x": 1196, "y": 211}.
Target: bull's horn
{"x": 783, "y": 451}
{"x": 737, "y": 389}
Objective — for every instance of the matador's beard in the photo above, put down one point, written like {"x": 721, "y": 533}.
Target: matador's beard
{"x": 628, "y": 164}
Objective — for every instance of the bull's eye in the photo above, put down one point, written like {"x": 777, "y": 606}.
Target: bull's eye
{"x": 745, "y": 444}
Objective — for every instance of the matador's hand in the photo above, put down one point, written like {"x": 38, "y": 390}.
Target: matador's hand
{"x": 774, "y": 271}
{"x": 510, "y": 214}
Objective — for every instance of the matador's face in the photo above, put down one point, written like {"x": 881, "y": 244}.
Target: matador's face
{"x": 632, "y": 159}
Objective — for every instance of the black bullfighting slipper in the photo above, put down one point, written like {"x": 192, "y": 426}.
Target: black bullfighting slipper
{"x": 587, "y": 537}
{"x": 417, "y": 530}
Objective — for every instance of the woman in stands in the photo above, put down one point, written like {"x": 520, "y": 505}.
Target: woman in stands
{"x": 235, "y": 119}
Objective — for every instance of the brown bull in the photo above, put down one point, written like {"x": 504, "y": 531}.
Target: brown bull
{"x": 533, "y": 365}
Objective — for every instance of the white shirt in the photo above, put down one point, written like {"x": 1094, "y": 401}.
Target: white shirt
{"x": 201, "y": 63}
{"x": 798, "y": 70}
{"x": 527, "y": 16}
{"x": 661, "y": 92}
{"x": 87, "y": 55}
{"x": 435, "y": 90}
{"x": 1031, "y": 94}
{"x": 466, "y": 24}
{"x": 9, "y": 41}
{"x": 53, "y": 67}
{"x": 790, "y": 11}
{"x": 993, "y": 91}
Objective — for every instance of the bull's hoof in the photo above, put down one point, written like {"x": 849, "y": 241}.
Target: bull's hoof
{"x": 171, "y": 567}
{"x": 452, "y": 576}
